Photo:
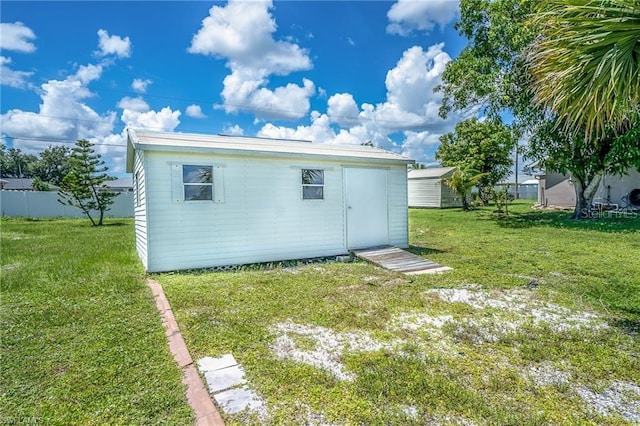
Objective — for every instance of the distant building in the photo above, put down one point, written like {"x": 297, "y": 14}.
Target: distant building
{"x": 427, "y": 188}
{"x": 557, "y": 190}
{"x": 21, "y": 184}
{"x": 121, "y": 185}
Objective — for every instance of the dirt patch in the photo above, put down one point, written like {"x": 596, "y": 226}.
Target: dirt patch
{"x": 494, "y": 314}
{"x": 329, "y": 346}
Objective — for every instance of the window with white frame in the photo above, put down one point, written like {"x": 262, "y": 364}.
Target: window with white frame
{"x": 198, "y": 182}
{"x": 312, "y": 184}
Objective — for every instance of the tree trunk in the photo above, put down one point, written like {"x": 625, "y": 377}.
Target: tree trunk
{"x": 586, "y": 189}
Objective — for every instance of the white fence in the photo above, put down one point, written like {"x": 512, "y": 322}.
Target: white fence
{"x": 45, "y": 204}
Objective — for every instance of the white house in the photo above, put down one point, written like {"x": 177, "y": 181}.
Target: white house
{"x": 206, "y": 201}
{"x": 427, "y": 188}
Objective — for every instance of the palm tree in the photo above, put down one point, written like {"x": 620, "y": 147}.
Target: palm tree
{"x": 586, "y": 65}
{"x": 461, "y": 182}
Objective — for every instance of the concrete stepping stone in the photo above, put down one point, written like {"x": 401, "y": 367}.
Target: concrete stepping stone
{"x": 212, "y": 364}
{"x": 225, "y": 377}
{"x": 239, "y": 399}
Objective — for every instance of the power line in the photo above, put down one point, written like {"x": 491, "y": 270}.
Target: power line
{"x": 51, "y": 140}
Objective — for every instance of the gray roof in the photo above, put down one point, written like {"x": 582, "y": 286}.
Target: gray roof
{"x": 126, "y": 182}
{"x": 189, "y": 142}
{"x": 433, "y": 172}
{"x": 22, "y": 184}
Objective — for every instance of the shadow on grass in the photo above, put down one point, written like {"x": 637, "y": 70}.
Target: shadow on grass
{"x": 115, "y": 224}
{"x": 627, "y": 326}
{"x": 606, "y": 222}
{"x": 422, "y": 251}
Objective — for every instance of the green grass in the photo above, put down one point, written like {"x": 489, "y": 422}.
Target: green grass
{"x": 82, "y": 342}
{"x": 473, "y": 368}
{"x": 81, "y": 339}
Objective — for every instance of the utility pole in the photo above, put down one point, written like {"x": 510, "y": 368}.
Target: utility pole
{"x": 517, "y": 195}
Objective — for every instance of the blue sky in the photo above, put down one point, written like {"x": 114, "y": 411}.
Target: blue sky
{"x": 330, "y": 72}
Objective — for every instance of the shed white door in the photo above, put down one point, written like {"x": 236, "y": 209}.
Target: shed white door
{"x": 366, "y": 202}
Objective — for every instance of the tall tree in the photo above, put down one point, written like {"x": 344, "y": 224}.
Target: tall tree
{"x": 84, "y": 186}
{"x": 586, "y": 73}
{"x": 52, "y": 164}
{"x": 483, "y": 146}
{"x": 15, "y": 164}
{"x": 492, "y": 73}
{"x": 586, "y": 65}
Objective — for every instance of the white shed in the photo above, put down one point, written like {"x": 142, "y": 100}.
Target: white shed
{"x": 212, "y": 200}
{"x": 427, "y": 188}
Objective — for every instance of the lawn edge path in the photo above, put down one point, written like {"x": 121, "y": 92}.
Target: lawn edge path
{"x": 197, "y": 395}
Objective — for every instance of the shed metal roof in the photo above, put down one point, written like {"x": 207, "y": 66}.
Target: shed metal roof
{"x": 190, "y": 142}
{"x": 433, "y": 172}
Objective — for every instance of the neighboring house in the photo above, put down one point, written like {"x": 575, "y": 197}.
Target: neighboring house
{"x": 205, "y": 201}
{"x": 427, "y": 188}
{"x": 527, "y": 188}
{"x": 557, "y": 190}
{"x": 21, "y": 184}
{"x": 120, "y": 185}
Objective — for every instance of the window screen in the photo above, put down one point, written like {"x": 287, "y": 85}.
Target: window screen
{"x": 312, "y": 184}
{"x": 198, "y": 182}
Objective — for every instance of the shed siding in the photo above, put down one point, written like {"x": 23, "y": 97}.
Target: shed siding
{"x": 261, "y": 218}
{"x": 140, "y": 207}
{"x": 425, "y": 192}
{"x": 398, "y": 213}
{"x": 448, "y": 197}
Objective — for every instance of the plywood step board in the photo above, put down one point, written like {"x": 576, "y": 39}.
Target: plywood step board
{"x": 398, "y": 260}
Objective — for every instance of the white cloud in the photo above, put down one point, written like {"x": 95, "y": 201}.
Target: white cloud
{"x": 64, "y": 117}
{"x": 242, "y": 33}
{"x": 165, "y": 120}
{"x": 234, "y": 130}
{"x": 113, "y": 45}
{"x": 410, "y": 84}
{"x": 411, "y": 109}
{"x": 87, "y": 73}
{"x": 195, "y": 111}
{"x": 140, "y": 86}
{"x": 407, "y": 16}
{"x": 421, "y": 146}
{"x": 133, "y": 104}
{"x": 12, "y": 78}
{"x": 343, "y": 110}
{"x": 16, "y": 36}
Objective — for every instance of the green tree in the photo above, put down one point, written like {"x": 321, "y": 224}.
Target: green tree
{"x": 84, "y": 186}
{"x": 586, "y": 74}
{"x": 483, "y": 146}
{"x": 15, "y": 164}
{"x": 461, "y": 182}
{"x": 493, "y": 72}
{"x": 52, "y": 164}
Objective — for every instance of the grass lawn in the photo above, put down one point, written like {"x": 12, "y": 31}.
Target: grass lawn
{"x": 81, "y": 339}
{"x": 339, "y": 343}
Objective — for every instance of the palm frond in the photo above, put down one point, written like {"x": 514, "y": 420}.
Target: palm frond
{"x": 586, "y": 65}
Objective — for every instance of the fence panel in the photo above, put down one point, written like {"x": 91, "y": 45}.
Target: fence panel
{"x": 45, "y": 204}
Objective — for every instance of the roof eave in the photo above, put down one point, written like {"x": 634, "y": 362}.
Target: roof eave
{"x": 261, "y": 153}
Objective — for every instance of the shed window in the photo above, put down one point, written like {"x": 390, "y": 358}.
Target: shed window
{"x": 198, "y": 182}
{"x": 312, "y": 184}
{"x": 136, "y": 186}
